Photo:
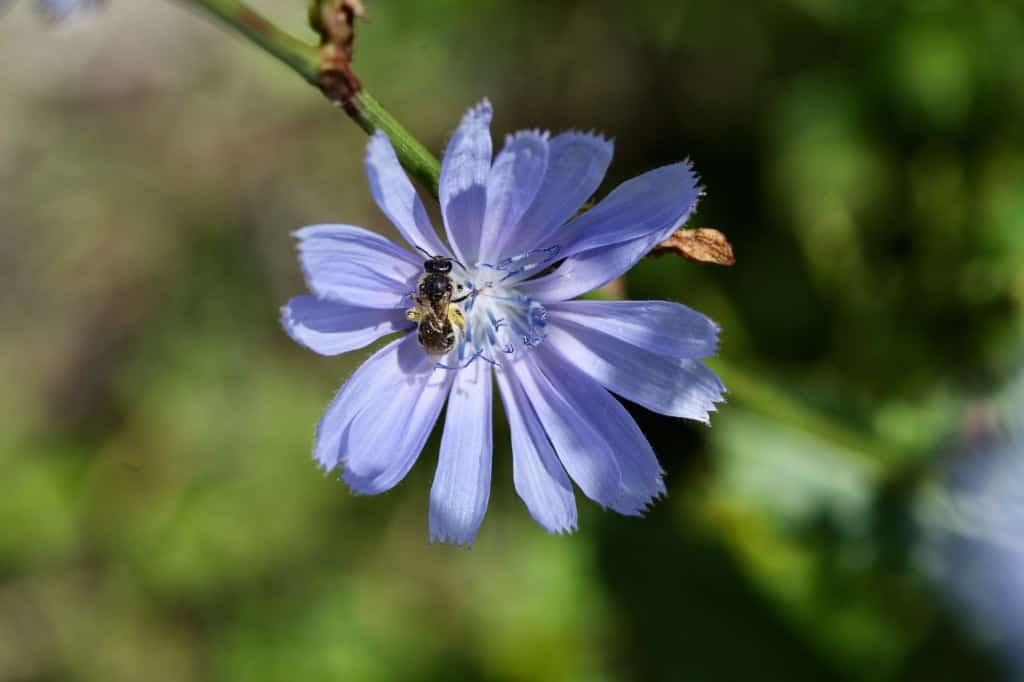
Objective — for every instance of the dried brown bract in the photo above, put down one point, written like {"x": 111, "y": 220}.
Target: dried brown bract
{"x": 702, "y": 245}
{"x": 334, "y": 20}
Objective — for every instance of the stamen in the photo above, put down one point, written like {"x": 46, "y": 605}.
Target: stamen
{"x": 525, "y": 264}
{"x": 499, "y": 319}
{"x": 441, "y": 365}
{"x": 479, "y": 355}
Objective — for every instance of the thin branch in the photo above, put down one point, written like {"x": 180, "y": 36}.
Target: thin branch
{"x": 416, "y": 159}
{"x": 301, "y": 57}
{"x": 327, "y": 68}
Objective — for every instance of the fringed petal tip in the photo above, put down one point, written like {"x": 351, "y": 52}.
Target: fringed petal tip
{"x": 287, "y": 320}
{"x": 713, "y": 408}
{"x": 590, "y": 135}
{"x": 649, "y": 506}
{"x": 631, "y": 504}
{"x": 632, "y": 507}
{"x": 698, "y": 187}
{"x": 445, "y": 539}
{"x": 641, "y": 508}
{"x": 719, "y": 398}
{"x": 687, "y": 163}
{"x": 326, "y": 463}
{"x": 352, "y": 490}
{"x": 561, "y": 527}
{"x": 716, "y": 340}
{"x": 535, "y": 133}
{"x": 357, "y": 485}
{"x": 694, "y": 179}
{"x": 481, "y": 108}
{"x": 325, "y": 467}
{"x": 564, "y": 531}
{"x": 590, "y": 138}
{"x": 482, "y": 111}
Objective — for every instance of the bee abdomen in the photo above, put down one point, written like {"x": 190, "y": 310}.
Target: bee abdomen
{"x": 436, "y": 340}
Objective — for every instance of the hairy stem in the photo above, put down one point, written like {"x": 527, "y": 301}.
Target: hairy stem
{"x": 321, "y": 68}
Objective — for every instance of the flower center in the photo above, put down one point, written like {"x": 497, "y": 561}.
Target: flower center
{"x": 500, "y": 321}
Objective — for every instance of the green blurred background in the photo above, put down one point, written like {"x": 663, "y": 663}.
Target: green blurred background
{"x": 160, "y": 517}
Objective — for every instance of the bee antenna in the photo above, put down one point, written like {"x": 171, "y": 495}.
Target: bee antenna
{"x": 429, "y": 255}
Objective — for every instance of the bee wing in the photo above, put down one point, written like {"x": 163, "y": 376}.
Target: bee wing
{"x": 441, "y": 305}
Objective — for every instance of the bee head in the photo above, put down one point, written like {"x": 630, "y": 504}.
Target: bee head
{"x": 438, "y": 264}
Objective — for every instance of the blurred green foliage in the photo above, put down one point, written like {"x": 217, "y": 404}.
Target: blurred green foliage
{"x": 161, "y": 518}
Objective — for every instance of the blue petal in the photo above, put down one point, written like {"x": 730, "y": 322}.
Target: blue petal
{"x": 598, "y": 443}
{"x": 397, "y": 198}
{"x": 381, "y": 418}
{"x": 652, "y": 203}
{"x": 385, "y": 438}
{"x": 539, "y": 477}
{"x": 660, "y": 327}
{"x": 351, "y": 265}
{"x": 332, "y": 328}
{"x": 379, "y": 370}
{"x": 463, "y": 185}
{"x": 591, "y": 269}
{"x": 674, "y": 386}
{"x": 512, "y": 185}
{"x": 577, "y": 163}
{"x": 462, "y": 483}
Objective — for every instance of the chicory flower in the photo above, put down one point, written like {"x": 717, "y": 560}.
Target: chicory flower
{"x": 519, "y": 255}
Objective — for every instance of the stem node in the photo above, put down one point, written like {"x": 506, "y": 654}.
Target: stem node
{"x": 337, "y": 81}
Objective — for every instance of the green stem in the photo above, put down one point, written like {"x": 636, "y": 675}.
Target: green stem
{"x": 415, "y": 158}
{"x": 301, "y": 57}
{"x": 309, "y": 62}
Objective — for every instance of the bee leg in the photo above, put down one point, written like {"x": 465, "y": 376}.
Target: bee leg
{"x": 456, "y": 317}
{"x": 413, "y": 314}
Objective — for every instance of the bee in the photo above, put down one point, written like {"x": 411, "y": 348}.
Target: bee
{"x": 435, "y": 316}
